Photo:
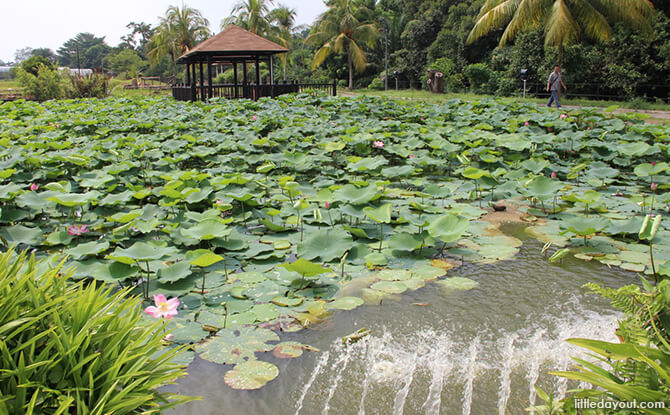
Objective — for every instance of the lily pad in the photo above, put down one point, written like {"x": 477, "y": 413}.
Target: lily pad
{"x": 251, "y": 375}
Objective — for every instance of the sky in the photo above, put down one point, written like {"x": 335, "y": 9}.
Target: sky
{"x": 49, "y": 23}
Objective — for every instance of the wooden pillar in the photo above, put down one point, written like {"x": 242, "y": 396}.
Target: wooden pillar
{"x": 202, "y": 81}
{"x": 272, "y": 77}
{"x": 193, "y": 81}
{"x": 209, "y": 78}
{"x": 235, "y": 79}
{"x": 258, "y": 78}
{"x": 244, "y": 80}
{"x": 188, "y": 75}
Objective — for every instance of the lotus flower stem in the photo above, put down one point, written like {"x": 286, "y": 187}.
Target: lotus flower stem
{"x": 381, "y": 235}
{"x": 651, "y": 259}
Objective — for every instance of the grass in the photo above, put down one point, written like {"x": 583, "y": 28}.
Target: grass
{"x": 413, "y": 95}
{"x": 9, "y": 84}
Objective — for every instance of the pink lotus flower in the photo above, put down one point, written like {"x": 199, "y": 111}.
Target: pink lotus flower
{"x": 34, "y": 187}
{"x": 412, "y": 156}
{"x": 653, "y": 186}
{"x": 563, "y": 116}
{"x": 553, "y": 174}
{"x": 653, "y": 163}
{"x": 76, "y": 230}
{"x": 254, "y": 118}
{"x": 163, "y": 307}
{"x": 326, "y": 204}
{"x": 378, "y": 144}
{"x": 526, "y": 123}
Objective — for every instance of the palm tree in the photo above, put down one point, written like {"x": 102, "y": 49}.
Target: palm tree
{"x": 283, "y": 19}
{"x": 564, "y": 21}
{"x": 179, "y": 31}
{"x": 345, "y": 27}
{"x": 251, "y": 15}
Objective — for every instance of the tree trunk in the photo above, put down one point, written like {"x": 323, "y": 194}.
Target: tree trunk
{"x": 351, "y": 70}
{"x": 560, "y": 55}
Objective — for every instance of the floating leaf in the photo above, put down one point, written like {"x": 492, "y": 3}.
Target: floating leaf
{"x": 345, "y": 303}
{"x": 251, "y": 375}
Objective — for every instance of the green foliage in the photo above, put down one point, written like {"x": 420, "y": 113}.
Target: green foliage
{"x": 477, "y": 74}
{"x": 126, "y": 61}
{"x": 32, "y": 64}
{"x": 376, "y": 84}
{"x": 71, "y": 347}
{"x": 636, "y": 368}
{"x": 95, "y": 85}
{"x": 46, "y": 85}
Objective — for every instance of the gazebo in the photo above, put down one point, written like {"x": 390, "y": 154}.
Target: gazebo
{"x": 234, "y": 46}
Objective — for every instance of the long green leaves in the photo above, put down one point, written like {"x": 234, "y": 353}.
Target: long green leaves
{"x": 72, "y": 347}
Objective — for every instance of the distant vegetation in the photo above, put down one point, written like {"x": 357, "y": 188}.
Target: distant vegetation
{"x": 480, "y": 46}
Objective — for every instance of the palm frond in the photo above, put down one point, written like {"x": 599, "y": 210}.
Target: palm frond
{"x": 321, "y": 56}
{"x": 593, "y": 23}
{"x": 529, "y": 14}
{"x": 561, "y": 28}
{"x": 496, "y": 18}
{"x": 367, "y": 34}
{"x": 357, "y": 56}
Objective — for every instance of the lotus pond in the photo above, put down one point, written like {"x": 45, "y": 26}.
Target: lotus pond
{"x": 282, "y": 225}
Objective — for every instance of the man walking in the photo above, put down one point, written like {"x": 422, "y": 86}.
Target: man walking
{"x": 554, "y": 86}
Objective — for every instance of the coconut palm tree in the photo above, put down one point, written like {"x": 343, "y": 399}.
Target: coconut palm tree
{"x": 251, "y": 15}
{"x": 345, "y": 27}
{"x": 283, "y": 20}
{"x": 178, "y": 31}
{"x": 565, "y": 22}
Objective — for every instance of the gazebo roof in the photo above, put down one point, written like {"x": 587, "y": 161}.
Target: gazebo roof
{"x": 233, "y": 41}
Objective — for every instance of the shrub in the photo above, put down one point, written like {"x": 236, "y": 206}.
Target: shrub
{"x": 93, "y": 86}
{"x": 477, "y": 74}
{"x": 635, "y": 368}
{"x": 47, "y": 84}
{"x": 376, "y": 84}
{"x": 31, "y": 65}
{"x": 71, "y": 348}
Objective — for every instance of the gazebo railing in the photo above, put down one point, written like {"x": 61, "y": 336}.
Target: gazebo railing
{"x": 183, "y": 92}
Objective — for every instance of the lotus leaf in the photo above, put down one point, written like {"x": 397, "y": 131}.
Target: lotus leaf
{"x": 251, "y": 375}
{"x": 233, "y": 346}
{"x": 327, "y": 244}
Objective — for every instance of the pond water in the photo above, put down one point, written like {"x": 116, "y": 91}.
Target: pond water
{"x": 434, "y": 351}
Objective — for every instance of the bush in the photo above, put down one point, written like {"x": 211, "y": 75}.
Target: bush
{"x": 635, "y": 368}
{"x": 31, "y": 65}
{"x": 376, "y": 84}
{"x": 477, "y": 74}
{"x": 93, "y": 86}
{"x": 47, "y": 84}
{"x": 71, "y": 348}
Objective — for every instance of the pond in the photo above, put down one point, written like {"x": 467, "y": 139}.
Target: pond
{"x": 433, "y": 350}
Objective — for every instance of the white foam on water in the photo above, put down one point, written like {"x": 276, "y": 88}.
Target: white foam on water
{"x": 317, "y": 369}
{"x": 505, "y": 382}
{"x": 401, "y": 396}
{"x": 339, "y": 367}
{"x": 428, "y": 357}
{"x": 469, "y": 373}
{"x": 534, "y": 369}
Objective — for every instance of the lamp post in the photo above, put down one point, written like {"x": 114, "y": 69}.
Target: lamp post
{"x": 524, "y": 77}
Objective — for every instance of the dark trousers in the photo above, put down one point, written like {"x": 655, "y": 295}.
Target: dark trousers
{"x": 554, "y": 98}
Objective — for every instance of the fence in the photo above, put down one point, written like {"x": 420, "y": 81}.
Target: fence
{"x": 183, "y": 92}
{"x": 599, "y": 91}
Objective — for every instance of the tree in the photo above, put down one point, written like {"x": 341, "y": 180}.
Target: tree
{"x": 127, "y": 60}
{"x": 564, "y": 23}
{"x": 141, "y": 29}
{"x": 345, "y": 27}
{"x": 45, "y": 53}
{"x": 34, "y": 63}
{"x": 251, "y": 15}
{"x": 284, "y": 20}
{"x": 22, "y": 54}
{"x": 83, "y": 51}
{"x": 179, "y": 30}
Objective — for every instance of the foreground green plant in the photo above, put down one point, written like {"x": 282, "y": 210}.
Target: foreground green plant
{"x": 637, "y": 368}
{"x": 75, "y": 348}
